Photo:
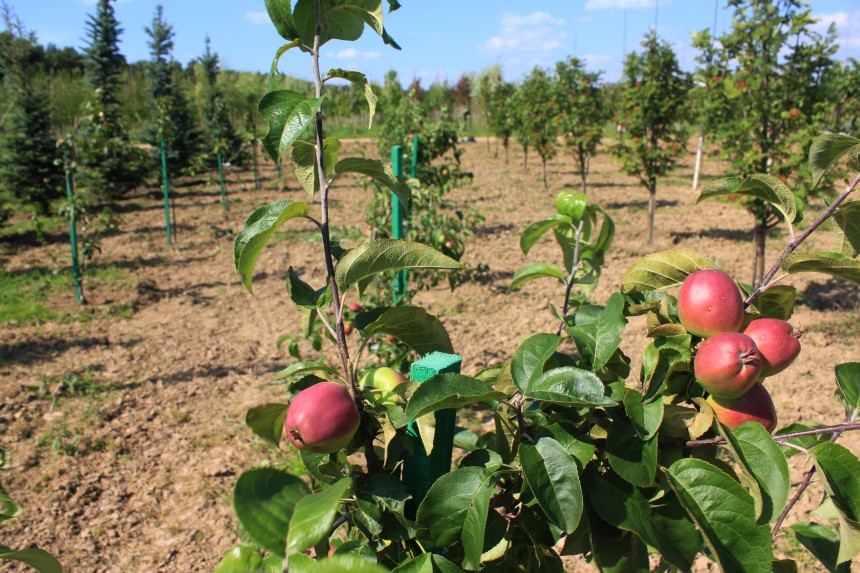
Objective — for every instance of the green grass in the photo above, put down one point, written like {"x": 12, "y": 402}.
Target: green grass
{"x": 23, "y": 293}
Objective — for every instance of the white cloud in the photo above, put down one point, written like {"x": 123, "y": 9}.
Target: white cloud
{"x": 621, "y": 4}
{"x": 353, "y": 54}
{"x": 844, "y": 23}
{"x": 535, "y": 32}
{"x": 257, "y": 17}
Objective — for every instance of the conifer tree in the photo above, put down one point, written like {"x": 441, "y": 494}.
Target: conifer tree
{"x": 109, "y": 165}
{"x": 27, "y": 148}
{"x": 173, "y": 120}
{"x": 216, "y": 120}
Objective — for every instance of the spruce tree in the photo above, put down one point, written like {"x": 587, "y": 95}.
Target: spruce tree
{"x": 216, "y": 120}
{"x": 109, "y": 165}
{"x": 27, "y": 148}
{"x": 173, "y": 120}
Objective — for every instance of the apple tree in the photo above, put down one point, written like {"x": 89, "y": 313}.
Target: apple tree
{"x": 537, "y": 111}
{"x": 652, "y": 134}
{"x": 502, "y": 116}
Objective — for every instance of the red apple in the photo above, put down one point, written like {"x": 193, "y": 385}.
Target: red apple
{"x": 322, "y": 418}
{"x": 777, "y": 343}
{"x": 384, "y": 379}
{"x": 355, "y": 307}
{"x": 754, "y": 406}
{"x": 727, "y": 364}
{"x": 347, "y": 327}
{"x": 709, "y": 303}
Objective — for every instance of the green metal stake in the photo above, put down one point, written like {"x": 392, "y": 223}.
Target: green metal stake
{"x": 397, "y": 219}
{"x": 221, "y": 179}
{"x": 420, "y": 470}
{"x": 414, "y": 166}
{"x": 166, "y": 193}
{"x": 73, "y": 235}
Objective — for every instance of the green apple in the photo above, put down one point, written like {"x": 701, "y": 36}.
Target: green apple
{"x": 384, "y": 379}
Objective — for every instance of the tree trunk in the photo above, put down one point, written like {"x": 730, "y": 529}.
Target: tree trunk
{"x": 698, "y": 161}
{"x": 545, "y": 185}
{"x": 525, "y": 157}
{"x": 652, "y": 208}
{"x": 759, "y": 241}
{"x": 506, "y": 154}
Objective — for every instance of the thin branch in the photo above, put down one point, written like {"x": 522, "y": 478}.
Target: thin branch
{"x": 571, "y": 279}
{"x": 837, "y": 429}
{"x": 800, "y": 238}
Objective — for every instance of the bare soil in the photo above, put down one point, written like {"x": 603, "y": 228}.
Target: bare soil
{"x": 135, "y": 472}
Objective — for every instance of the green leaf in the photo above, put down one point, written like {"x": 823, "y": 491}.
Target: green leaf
{"x": 304, "y": 156}
{"x": 258, "y": 228}
{"x": 313, "y": 516}
{"x": 663, "y": 358}
{"x": 382, "y": 255}
{"x": 765, "y": 187}
{"x": 846, "y": 230}
{"x": 645, "y": 417}
{"x": 826, "y": 150}
{"x": 344, "y": 563}
{"x": 428, "y": 563}
{"x": 304, "y": 295}
{"x": 634, "y": 459}
{"x": 530, "y": 357}
{"x": 776, "y": 302}
{"x": 553, "y": 477}
{"x": 413, "y": 326}
{"x": 805, "y": 263}
{"x": 762, "y": 458}
{"x": 38, "y": 559}
{"x": 308, "y": 367}
{"x": 273, "y": 71}
{"x": 841, "y": 470}
{"x": 663, "y": 270}
{"x": 535, "y": 271}
{"x": 570, "y": 386}
{"x": 447, "y": 390}
{"x": 281, "y": 14}
{"x": 571, "y": 205}
{"x": 288, "y": 114}
{"x": 245, "y": 559}
{"x": 725, "y": 514}
{"x": 360, "y": 80}
{"x": 616, "y": 551}
{"x": 267, "y": 422}
{"x": 822, "y": 542}
{"x": 848, "y": 382}
{"x": 536, "y": 230}
{"x": 380, "y": 171}
{"x": 264, "y": 500}
{"x": 8, "y": 508}
{"x": 455, "y": 511}
{"x": 597, "y": 338}
{"x": 665, "y": 527}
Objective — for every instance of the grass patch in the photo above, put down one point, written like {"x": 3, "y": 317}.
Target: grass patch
{"x": 23, "y": 293}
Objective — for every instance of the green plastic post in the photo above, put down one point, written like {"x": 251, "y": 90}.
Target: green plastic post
{"x": 419, "y": 469}
{"x": 73, "y": 235}
{"x": 397, "y": 219}
{"x": 166, "y": 193}
{"x": 221, "y": 179}
{"x": 413, "y": 168}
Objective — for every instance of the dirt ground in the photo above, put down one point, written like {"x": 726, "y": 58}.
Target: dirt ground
{"x": 135, "y": 474}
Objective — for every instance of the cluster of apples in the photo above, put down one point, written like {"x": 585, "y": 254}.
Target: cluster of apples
{"x": 323, "y": 418}
{"x": 733, "y": 359}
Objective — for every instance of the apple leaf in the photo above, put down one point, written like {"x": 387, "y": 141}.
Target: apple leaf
{"x": 841, "y": 266}
{"x": 267, "y": 422}
{"x": 776, "y": 302}
{"x": 822, "y": 542}
{"x": 634, "y": 459}
{"x": 725, "y": 514}
{"x": 257, "y": 231}
{"x": 571, "y": 205}
{"x": 313, "y": 515}
{"x": 536, "y": 230}
{"x": 380, "y": 171}
{"x": 447, "y": 390}
{"x": 38, "y": 559}
{"x": 247, "y": 559}
{"x": 663, "y": 270}
{"x": 273, "y": 71}
{"x": 8, "y": 508}
{"x": 288, "y": 114}
{"x": 553, "y": 477}
{"x": 848, "y": 381}
{"x": 846, "y": 231}
{"x": 535, "y": 271}
{"x": 412, "y": 325}
{"x": 662, "y": 359}
{"x": 427, "y": 563}
{"x": 281, "y": 14}
{"x": 304, "y": 295}
{"x": 760, "y": 186}
{"x": 646, "y": 417}
{"x": 841, "y": 470}
{"x": 304, "y": 156}
{"x": 339, "y": 563}
{"x": 826, "y": 150}
{"x": 530, "y": 357}
{"x": 264, "y": 500}
{"x": 360, "y": 80}
{"x": 597, "y": 337}
{"x": 570, "y": 386}
{"x": 382, "y": 255}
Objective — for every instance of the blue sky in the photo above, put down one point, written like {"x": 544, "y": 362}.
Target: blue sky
{"x": 441, "y": 39}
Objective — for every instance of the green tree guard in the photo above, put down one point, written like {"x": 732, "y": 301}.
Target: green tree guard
{"x": 397, "y": 219}
{"x": 166, "y": 193}
{"x": 420, "y": 470}
{"x": 221, "y": 173}
{"x": 73, "y": 233}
